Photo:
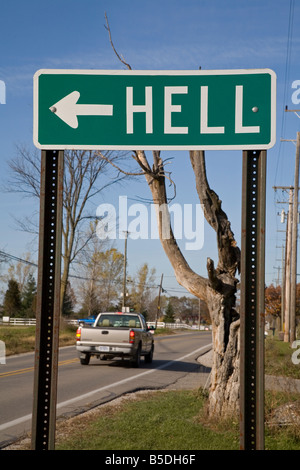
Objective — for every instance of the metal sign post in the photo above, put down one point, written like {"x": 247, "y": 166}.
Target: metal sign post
{"x": 48, "y": 301}
{"x": 252, "y": 300}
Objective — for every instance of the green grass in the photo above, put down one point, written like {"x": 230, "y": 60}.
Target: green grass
{"x": 170, "y": 420}
{"x": 21, "y": 339}
{"x": 278, "y": 359}
{"x": 280, "y": 437}
{"x": 156, "y": 421}
{"x": 164, "y": 331}
{"x": 18, "y": 339}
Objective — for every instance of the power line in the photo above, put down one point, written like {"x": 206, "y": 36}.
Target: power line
{"x": 15, "y": 258}
{"x": 168, "y": 290}
{"x": 8, "y": 256}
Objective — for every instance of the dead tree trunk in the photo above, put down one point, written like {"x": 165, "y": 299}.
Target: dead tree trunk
{"x": 220, "y": 298}
{"x": 218, "y": 290}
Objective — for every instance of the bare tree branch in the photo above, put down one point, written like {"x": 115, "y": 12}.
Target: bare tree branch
{"x": 121, "y": 59}
{"x": 128, "y": 173}
{"x": 26, "y": 173}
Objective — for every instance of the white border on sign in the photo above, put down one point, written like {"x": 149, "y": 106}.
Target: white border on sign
{"x": 162, "y": 73}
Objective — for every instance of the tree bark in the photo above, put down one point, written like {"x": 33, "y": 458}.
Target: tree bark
{"x": 221, "y": 298}
{"x": 218, "y": 291}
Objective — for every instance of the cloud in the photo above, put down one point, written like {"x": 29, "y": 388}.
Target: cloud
{"x": 259, "y": 53}
{"x": 19, "y": 79}
{"x": 252, "y": 53}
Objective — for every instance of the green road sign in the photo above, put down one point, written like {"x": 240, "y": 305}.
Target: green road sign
{"x": 171, "y": 110}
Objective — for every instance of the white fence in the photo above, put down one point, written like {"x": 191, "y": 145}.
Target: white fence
{"x": 161, "y": 324}
{"x": 17, "y": 321}
{"x": 32, "y": 321}
{"x": 26, "y": 321}
{"x": 173, "y": 326}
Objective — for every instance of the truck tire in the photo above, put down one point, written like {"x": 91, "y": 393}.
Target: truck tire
{"x": 137, "y": 358}
{"x": 85, "y": 359}
{"x": 149, "y": 357}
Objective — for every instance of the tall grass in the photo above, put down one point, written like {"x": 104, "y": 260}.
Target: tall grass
{"x": 21, "y": 339}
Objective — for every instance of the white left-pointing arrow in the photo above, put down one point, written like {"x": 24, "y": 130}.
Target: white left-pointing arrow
{"x": 67, "y": 109}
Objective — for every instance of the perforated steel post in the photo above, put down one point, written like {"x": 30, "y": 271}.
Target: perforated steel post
{"x": 252, "y": 300}
{"x": 48, "y": 301}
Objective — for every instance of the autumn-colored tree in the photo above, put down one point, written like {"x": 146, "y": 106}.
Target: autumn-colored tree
{"x": 273, "y": 300}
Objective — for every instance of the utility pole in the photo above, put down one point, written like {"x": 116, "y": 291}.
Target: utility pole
{"x": 282, "y": 286}
{"x": 278, "y": 275}
{"x": 286, "y": 273}
{"x": 283, "y": 255}
{"x": 294, "y": 234}
{"x": 288, "y": 270}
{"x": 158, "y": 302}
{"x": 294, "y": 245}
{"x": 124, "y": 275}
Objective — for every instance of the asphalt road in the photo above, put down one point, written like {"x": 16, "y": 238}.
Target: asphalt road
{"x": 82, "y": 387}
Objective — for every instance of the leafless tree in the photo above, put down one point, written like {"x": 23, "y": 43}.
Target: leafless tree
{"x": 86, "y": 175}
{"x": 219, "y": 289}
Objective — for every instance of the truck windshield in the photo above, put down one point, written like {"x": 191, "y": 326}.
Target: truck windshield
{"x": 119, "y": 321}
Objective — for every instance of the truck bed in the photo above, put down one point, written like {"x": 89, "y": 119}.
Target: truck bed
{"x": 115, "y": 335}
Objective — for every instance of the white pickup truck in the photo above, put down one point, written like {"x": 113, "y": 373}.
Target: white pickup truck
{"x": 116, "y": 335}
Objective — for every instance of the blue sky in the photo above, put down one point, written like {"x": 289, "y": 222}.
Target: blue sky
{"x": 160, "y": 35}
